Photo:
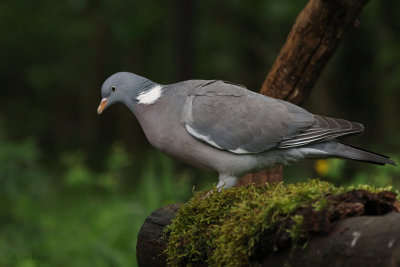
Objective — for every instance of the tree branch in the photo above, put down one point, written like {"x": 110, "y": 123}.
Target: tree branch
{"x": 314, "y": 37}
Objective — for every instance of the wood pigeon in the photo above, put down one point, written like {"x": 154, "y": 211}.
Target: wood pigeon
{"x": 224, "y": 127}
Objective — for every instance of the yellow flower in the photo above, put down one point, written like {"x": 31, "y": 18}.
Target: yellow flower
{"x": 321, "y": 166}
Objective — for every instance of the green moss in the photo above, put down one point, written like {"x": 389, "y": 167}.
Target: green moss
{"x": 223, "y": 229}
{"x": 295, "y": 231}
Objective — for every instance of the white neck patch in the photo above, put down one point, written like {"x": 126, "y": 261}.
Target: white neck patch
{"x": 150, "y": 96}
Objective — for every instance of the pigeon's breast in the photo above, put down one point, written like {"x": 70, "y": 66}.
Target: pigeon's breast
{"x": 164, "y": 129}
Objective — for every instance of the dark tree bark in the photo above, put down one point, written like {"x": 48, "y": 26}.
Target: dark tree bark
{"x": 272, "y": 175}
{"x": 150, "y": 243}
{"x": 313, "y": 39}
{"x": 315, "y": 35}
{"x": 357, "y": 241}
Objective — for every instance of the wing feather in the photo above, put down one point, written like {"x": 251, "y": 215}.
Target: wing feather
{"x": 323, "y": 129}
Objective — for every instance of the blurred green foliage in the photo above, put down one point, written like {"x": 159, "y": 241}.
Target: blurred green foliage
{"x": 75, "y": 188}
{"x": 375, "y": 175}
{"x": 79, "y": 216}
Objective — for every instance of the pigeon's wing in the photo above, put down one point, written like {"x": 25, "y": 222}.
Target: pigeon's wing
{"x": 230, "y": 117}
{"x": 323, "y": 129}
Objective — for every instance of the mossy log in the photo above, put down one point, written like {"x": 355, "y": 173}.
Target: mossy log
{"x": 358, "y": 228}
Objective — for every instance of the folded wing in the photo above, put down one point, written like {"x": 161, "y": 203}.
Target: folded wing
{"x": 232, "y": 118}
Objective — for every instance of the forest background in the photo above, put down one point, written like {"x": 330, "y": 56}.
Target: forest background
{"x": 75, "y": 187}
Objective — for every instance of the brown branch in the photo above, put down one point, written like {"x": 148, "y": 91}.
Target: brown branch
{"x": 313, "y": 39}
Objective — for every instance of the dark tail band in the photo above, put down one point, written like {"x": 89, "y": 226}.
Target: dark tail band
{"x": 340, "y": 150}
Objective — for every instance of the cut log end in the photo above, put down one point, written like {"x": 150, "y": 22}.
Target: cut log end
{"x": 150, "y": 244}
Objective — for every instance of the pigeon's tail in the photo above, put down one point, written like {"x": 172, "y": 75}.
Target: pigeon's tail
{"x": 339, "y": 150}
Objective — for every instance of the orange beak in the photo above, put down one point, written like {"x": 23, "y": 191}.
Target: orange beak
{"x": 102, "y": 105}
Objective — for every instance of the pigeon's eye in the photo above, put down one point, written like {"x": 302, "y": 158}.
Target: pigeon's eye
{"x": 113, "y": 88}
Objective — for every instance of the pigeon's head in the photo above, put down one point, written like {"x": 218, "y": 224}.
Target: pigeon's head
{"x": 123, "y": 87}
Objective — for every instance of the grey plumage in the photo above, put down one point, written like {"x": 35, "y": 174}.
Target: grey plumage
{"x": 237, "y": 119}
{"x": 226, "y": 128}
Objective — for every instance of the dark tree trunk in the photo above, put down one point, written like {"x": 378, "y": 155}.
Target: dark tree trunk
{"x": 313, "y": 39}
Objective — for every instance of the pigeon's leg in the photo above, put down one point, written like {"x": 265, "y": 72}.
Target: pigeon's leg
{"x": 226, "y": 181}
